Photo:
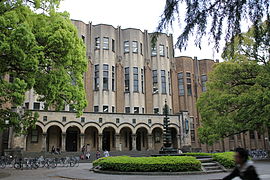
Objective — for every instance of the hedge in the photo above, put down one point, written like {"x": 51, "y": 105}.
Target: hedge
{"x": 226, "y": 159}
{"x": 149, "y": 164}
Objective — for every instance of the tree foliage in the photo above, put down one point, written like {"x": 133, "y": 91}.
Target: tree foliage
{"x": 214, "y": 17}
{"x": 238, "y": 91}
{"x": 40, "y": 51}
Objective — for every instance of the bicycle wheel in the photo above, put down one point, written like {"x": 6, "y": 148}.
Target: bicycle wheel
{"x": 2, "y": 165}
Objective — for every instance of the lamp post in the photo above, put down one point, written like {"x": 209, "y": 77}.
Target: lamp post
{"x": 167, "y": 136}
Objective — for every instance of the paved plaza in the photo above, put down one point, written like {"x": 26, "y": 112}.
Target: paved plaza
{"x": 82, "y": 173}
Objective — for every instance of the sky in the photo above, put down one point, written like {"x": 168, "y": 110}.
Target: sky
{"x": 141, "y": 14}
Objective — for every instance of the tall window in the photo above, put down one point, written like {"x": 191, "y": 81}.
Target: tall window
{"x": 127, "y": 109}
{"x": 189, "y": 87}
{"x": 136, "y": 110}
{"x": 113, "y": 76}
{"x": 161, "y": 50}
{"x": 163, "y": 81}
{"x": 97, "y": 42}
{"x": 156, "y": 110}
{"x": 154, "y": 51}
{"x": 134, "y": 46}
{"x": 105, "y": 76}
{"x": 34, "y": 136}
{"x": 169, "y": 81}
{"x": 127, "y": 79}
{"x": 167, "y": 50}
{"x": 155, "y": 81}
{"x": 135, "y": 79}
{"x": 96, "y": 77}
{"x": 83, "y": 38}
{"x": 36, "y": 106}
{"x": 204, "y": 79}
{"x": 126, "y": 46}
{"x": 106, "y": 109}
{"x": 142, "y": 80}
{"x": 181, "y": 84}
{"x": 105, "y": 43}
{"x": 113, "y": 45}
{"x": 95, "y": 108}
{"x": 141, "y": 49}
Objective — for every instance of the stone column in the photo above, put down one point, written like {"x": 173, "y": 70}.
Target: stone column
{"x": 178, "y": 137}
{"x": 44, "y": 142}
{"x": 100, "y": 137}
{"x": 117, "y": 142}
{"x": 25, "y": 142}
{"x": 134, "y": 137}
{"x": 150, "y": 142}
{"x": 63, "y": 142}
{"x": 81, "y": 141}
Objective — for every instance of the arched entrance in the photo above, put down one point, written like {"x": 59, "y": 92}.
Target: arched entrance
{"x": 141, "y": 139}
{"x": 54, "y": 137}
{"x": 125, "y": 139}
{"x": 73, "y": 139}
{"x": 34, "y": 140}
{"x": 91, "y": 138}
{"x": 108, "y": 139}
{"x": 157, "y": 138}
{"x": 174, "y": 137}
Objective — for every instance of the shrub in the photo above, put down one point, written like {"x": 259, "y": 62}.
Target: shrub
{"x": 226, "y": 159}
{"x": 149, "y": 164}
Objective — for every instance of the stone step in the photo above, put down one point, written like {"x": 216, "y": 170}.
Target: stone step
{"x": 209, "y": 164}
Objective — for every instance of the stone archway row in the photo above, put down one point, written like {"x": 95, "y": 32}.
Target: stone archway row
{"x": 136, "y": 137}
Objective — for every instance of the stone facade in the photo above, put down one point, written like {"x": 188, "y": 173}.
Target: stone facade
{"x": 127, "y": 82}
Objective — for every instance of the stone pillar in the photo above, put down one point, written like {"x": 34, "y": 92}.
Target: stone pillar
{"x": 117, "y": 142}
{"x": 178, "y": 137}
{"x": 134, "y": 137}
{"x": 10, "y": 138}
{"x": 44, "y": 142}
{"x": 63, "y": 142}
{"x": 81, "y": 141}
{"x": 100, "y": 137}
{"x": 150, "y": 142}
{"x": 25, "y": 142}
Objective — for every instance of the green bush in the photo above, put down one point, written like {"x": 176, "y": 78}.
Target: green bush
{"x": 226, "y": 159}
{"x": 149, "y": 164}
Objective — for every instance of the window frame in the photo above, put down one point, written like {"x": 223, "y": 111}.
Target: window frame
{"x": 105, "y": 78}
{"x": 135, "y": 79}
{"x": 96, "y": 77}
{"x": 97, "y": 43}
{"x": 127, "y": 79}
{"x": 135, "y": 48}
{"x": 34, "y": 135}
{"x": 126, "y": 47}
{"x": 161, "y": 50}
{"x": 163, "y": 81}
{"x": 107, "y": 43}
{"x": 113, "y": 45}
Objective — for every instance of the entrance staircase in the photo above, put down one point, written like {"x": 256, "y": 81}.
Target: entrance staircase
{"x": 209, "y": 165}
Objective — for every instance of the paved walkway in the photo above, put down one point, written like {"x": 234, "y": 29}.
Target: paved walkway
{"x": 82, "y": 173}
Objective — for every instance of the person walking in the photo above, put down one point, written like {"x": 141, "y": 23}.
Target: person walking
{"x": 244, "y": 169}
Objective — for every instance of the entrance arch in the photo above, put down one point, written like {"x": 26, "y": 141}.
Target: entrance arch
{"x": 54, "y": 137}
{"x": 91, "y": 138}
{"x": 108, "y": 139}
{"x": 125, "y": 139}
{"x": 72, "y": 139}
{"x": 174, "y": 137}
{"x": 141, "y": 139}
{"x": 157, "y": 138}
{"x": 34, "y": 139}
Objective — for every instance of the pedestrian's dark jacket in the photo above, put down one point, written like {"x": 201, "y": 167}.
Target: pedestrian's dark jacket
{"x": 246, "y": 172}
